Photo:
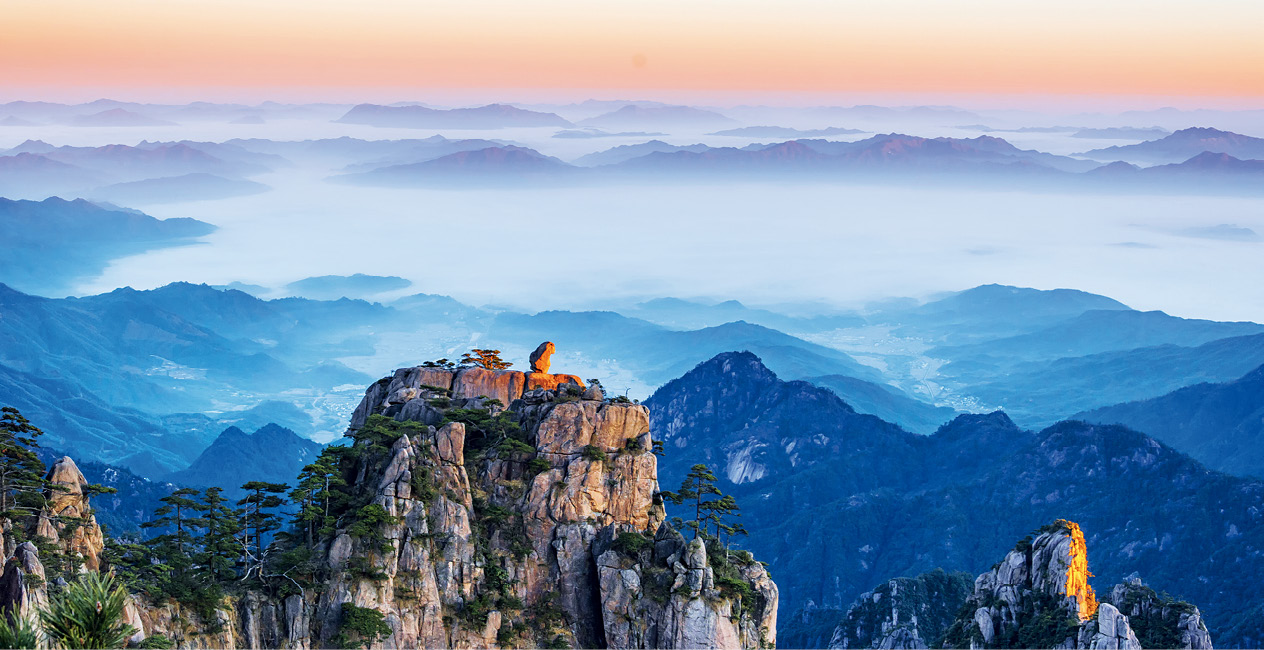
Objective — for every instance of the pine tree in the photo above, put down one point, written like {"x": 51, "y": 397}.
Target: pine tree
{"x": 220, "y": 546}
{"x": 698, "y": 484}
{"x": 22, "y": 483}
{"x": 489, "y": 359}
{"x": 260, "y": 518}
{"x": 314, "y": 494}
{"x": 179, "y": 511}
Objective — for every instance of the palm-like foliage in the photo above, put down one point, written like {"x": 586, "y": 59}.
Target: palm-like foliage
{"x": 88, "y": 613}
{"x": 20, "y": 634}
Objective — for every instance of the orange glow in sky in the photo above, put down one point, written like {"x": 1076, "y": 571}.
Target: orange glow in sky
{"x": 1124, "y": 47}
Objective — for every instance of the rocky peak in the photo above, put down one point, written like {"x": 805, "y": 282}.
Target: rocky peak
{"x": 1039, "y": 597}
{"x": 733, "y": 413}
{"x": 903, "y": 612}
{"x": 1160, "y": 621}
{"x": 520, "y": 510}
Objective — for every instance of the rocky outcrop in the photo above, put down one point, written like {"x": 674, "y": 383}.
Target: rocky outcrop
{"x": 67, "y": 519}
{"x": 644, "y": 605}
{"x": 903, "y": 612}
{"x": 23, "y": 586}
{"x": 1039, "y": 597}
{"x": 536, "y": 524}
{"x": 1160, "y": 621}
{"x": 408, "y": 393}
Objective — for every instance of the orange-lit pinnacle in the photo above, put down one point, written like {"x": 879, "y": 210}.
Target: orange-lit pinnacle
{"x": 1077, "y": 574}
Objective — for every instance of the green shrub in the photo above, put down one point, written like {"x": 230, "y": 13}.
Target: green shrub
{"x": 632, "y": 543}
{"x": 157, "y": 642}
{"x": 514, "y": 446}
{"x": 368, "y": 625}
{"x": 422, "y": 483}
{"x": 593, "y": 453}
{"x": 363, "y": 568}
{"x": 537, "y": 465}
{"x": 732, "y": 587}
{"x": 88, "y": 613}
{"x": 21, "y": 634}
{"x": 368, "y": 524}
{"x": 558, "y": 643}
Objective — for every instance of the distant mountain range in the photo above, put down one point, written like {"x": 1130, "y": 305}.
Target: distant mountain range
{"x": 491, "y": 116}
{"x": 112, "y": 113}
{"x": 786, "y": 132}
{"x": 636, "y": 117}
{"x": 137, "y": 359}
{"x": 889, "y": 157}
{"x": 1182, "y": 146}
{"x": 844, "y": 502}
{"x": 81, "y": 236}
{"x": 177, "y": 189}
{"x": 1220, "y": 424}
{"x": 493, "y": 164}
{"x": 355, "y": 154}
{"x": 151, "y": 171}
{"x": 627, "y": 152}
{"x": 272, "y": 453}
{"x": 118, "y": 117}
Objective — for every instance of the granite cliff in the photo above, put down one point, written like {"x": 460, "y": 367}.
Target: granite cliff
{"x": 534, "y": 524}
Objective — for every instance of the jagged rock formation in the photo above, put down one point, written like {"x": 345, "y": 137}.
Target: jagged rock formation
{"x": 1039, "y": 597}
{"x": 557, "y": 540}
{"x": 1160, "y": 621}
{"x": 23, "y": 586}
{"x": 903, "y": 612}
{"x": 68, "y": 520}
{"x": 67, "y": 524}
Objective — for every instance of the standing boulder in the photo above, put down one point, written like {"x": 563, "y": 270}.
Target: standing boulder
{"x": 540, "y": 358}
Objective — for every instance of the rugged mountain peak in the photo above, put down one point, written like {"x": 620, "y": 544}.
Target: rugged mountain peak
{"x": 1039, "y": 597}
{"x": 517, "y": 510}
{"x": 733, "y": 413}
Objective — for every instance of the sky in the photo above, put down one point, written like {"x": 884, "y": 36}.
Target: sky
{"x": 1141, "y": 51}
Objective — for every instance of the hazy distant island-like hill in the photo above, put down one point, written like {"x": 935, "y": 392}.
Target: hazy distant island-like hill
{"x": 82, "y": 236}
{"x": 333, "y": 287}
{"x": 178, "y": 189}
{"x": 491, "y": 116}
{"x": 633, "y": 117}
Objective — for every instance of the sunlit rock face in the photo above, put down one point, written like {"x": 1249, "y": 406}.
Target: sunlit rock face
{"x": 1039, "y": 597}
{"x": 540, "y": 358}
{"x": 1077, "y": 574}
